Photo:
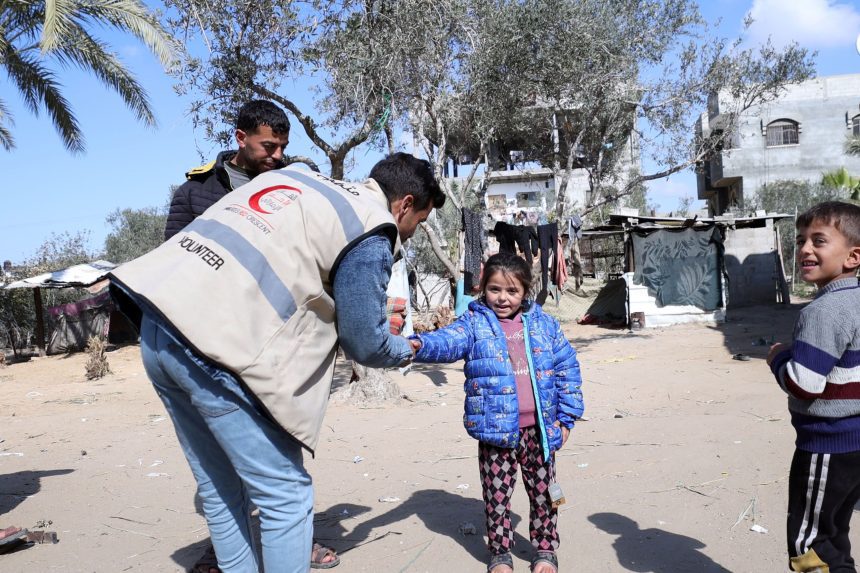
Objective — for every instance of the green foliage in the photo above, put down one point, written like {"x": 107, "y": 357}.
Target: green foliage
{"x": 568, "y": 83}
{"x": 35, "y": 34}
{"x": 134, "y": 232}
{"x": 17, "y": 319}
{"x": 788, "y": 197}
{"x": 843, "y": 181}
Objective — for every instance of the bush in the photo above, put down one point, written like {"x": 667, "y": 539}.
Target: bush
{"x": 97, "y": 365}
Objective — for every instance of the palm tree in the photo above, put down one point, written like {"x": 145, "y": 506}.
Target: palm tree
{"x": 34, "y": 34}
{"x": 852, "y": 145}
{"x": 841, "y": 179}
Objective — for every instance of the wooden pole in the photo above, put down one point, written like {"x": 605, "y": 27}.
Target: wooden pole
{"x": 40, "y": 321}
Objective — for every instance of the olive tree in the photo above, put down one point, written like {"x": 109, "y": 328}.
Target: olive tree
{"x": 571, "y": 81}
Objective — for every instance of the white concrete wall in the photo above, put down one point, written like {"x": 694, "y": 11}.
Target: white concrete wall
{"x": 750, "y": 261}
{"x": 639, "y": 300}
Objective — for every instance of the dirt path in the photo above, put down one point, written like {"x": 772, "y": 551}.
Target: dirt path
{"x": 680, "y": 441}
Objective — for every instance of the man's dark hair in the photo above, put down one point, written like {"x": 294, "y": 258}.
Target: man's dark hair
{"x": 401, "y": 174}
{"x": 262, "y": 112}
{"x": 845, "y": 217}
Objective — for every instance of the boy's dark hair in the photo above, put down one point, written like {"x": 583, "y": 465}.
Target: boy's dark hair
{"x": 509, "y": 264}
{"x": 401, "y": 174}
{"x": 262, "y": 112}
{"x": 845, "y": 217}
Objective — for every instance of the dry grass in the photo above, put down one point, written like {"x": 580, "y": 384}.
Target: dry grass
{"x": 97, "y": 365}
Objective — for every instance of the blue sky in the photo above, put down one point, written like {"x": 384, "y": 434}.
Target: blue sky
{"x": 128, "y": 165}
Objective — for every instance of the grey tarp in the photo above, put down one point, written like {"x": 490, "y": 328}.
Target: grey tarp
{"x": 680, "y": 267}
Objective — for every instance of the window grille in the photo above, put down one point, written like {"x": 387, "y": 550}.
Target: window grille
{"x": 782, "y": 132}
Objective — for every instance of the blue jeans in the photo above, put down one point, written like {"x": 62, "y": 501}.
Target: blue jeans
{"x": 237, "y": 456}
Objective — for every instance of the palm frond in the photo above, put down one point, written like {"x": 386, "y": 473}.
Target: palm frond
{"x": 6, "y": 121}
{"x": 94, "y": 56}
{"x": 58, "y": 17}
{"x": 852, "y": 145}
{"x": 39, "y": 88}
{"x": 132, "y": 16}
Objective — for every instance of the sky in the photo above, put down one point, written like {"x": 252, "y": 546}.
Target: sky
{"x": 129, "y": 165}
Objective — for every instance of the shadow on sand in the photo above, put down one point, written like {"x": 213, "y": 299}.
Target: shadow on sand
{"x": 16, "y": 487}
{"x": 654, "y": 550}
{"x": 440, "y": 511}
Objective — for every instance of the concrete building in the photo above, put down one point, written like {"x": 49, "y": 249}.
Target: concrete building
{"x": 798, "y": 136}
{"x": 534, "y": 190}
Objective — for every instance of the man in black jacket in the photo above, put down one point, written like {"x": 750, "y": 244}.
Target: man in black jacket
{"x": 262, "y": 133}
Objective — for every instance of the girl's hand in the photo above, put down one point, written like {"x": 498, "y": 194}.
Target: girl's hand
{"x": 415, "y": 344}
{"x": 565, "y": 432}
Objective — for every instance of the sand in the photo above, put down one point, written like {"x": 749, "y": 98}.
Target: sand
{"x": 683, "y": 450}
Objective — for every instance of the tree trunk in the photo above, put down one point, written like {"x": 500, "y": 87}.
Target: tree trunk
{"x": 373, "y": 386}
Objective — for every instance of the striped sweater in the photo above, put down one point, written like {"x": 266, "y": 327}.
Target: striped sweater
{"x": 821, "y": 371}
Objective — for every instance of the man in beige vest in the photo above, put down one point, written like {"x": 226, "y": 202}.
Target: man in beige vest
{"x": 241, "y": 315}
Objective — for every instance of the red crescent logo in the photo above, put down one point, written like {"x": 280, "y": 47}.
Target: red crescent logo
{"x": 254, "y": 200}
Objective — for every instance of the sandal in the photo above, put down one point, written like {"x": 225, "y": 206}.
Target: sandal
{"x": 548, "y": 557}
{"x": 500, "y": 559}
{"x": 12, "y": 538}
{"x": 319, "y": 552}
{"x": 207, "y": 563}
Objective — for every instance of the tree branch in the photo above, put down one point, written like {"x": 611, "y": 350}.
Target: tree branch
{"x": 307, "y": 122}
{"x": 437, "y": 250}
{"x": 291, "y": 159}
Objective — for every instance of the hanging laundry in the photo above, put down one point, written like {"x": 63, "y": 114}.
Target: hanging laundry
{"x": 473, "y": 229}
{"x": 547, "y": 241}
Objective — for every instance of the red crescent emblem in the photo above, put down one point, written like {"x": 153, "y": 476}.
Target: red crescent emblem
{"x": 254, "y": 200}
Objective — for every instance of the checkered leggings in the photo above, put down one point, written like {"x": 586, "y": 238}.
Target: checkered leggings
{"x": 499, "y": 475}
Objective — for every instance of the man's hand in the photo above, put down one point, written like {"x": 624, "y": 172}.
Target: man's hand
{"x": 774, "y": 350}
{"x": 415, "y": 344}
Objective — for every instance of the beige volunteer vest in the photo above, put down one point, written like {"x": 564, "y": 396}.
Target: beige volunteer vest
{"x": 248, "y": 284}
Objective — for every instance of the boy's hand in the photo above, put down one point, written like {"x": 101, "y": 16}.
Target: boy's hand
{"x": 565, "y": 432}
{"x": 774, "y": 350}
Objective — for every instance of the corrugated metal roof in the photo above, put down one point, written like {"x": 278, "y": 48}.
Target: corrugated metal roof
{"x": 82, "y": 275}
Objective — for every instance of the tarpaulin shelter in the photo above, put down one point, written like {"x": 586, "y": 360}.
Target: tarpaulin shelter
{"x": 679, "y": 269}
{"x": 77, "y": 276}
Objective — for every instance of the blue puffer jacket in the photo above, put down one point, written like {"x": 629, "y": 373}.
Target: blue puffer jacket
{"x": 492, "y": 410}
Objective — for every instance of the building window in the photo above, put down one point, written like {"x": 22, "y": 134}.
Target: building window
{"x": 855, "y": 125}
{"x": 497, "y": 201}
{"x": 527, "y": 199}
{"x": 782, "y": 132}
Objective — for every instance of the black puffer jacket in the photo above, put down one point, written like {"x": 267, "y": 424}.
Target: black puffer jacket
{"x": 205, "y": 186}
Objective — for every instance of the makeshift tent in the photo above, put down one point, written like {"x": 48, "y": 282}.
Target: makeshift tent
{"x": 80, "y": 276}
{"x": 74, "y": 323}
{"x": 680, "y": 266}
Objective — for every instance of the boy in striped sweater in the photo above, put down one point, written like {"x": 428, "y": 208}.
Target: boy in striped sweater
{"x": 820, "y": 372}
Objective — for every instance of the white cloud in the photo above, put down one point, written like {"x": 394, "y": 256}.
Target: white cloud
{"x": 811, "y": 23}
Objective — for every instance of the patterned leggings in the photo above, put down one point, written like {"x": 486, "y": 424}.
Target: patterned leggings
{"x": 499, "y": 475}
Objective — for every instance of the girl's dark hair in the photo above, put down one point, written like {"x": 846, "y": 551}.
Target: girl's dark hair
{"x": 509, "y": 264}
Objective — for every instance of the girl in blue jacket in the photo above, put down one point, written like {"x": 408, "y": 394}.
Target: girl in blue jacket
{"x": 522, "y": 398}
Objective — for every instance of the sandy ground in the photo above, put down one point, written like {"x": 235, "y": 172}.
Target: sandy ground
{"x": 683, "y": 450}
